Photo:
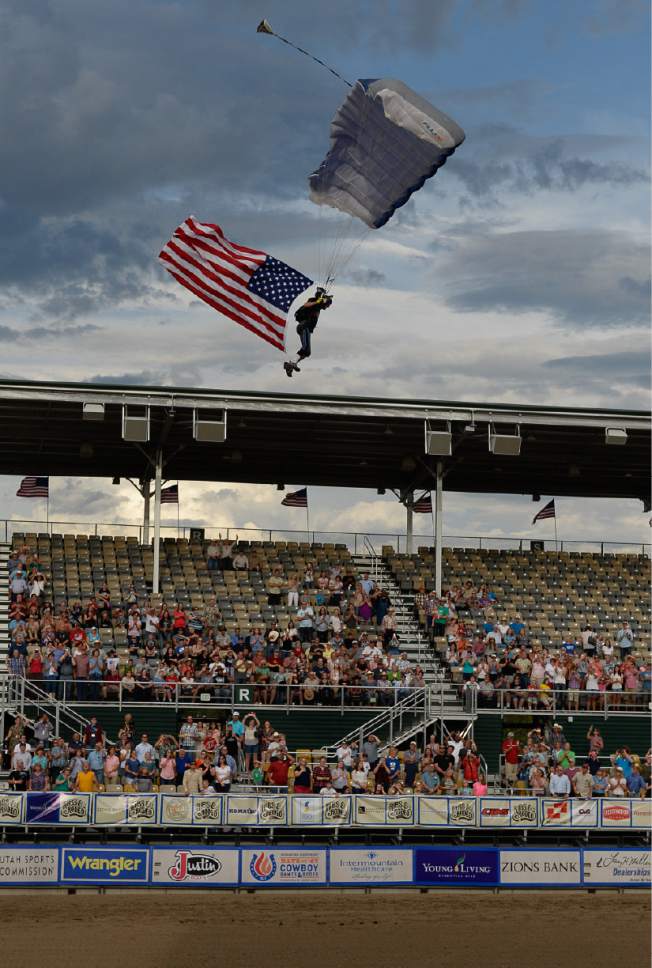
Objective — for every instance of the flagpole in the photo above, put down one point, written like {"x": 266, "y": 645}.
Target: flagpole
{"x": 555, "y": 520}
{"x": 178, "y": 508}
{"x": 47, "y": 510}
{"x": 307, "y": 517}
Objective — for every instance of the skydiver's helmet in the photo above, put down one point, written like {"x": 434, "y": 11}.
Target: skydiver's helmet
{"x": 321, "y": 294}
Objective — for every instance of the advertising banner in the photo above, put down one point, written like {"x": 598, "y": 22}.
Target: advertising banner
{"x": 283, "y": 867}
{"x": 618, "y": 868}
{"x": 642, "y": 813}
{"x": 176, "y": 810}
{"x": 207, "y": 811}
{"x": 552, "y": 868}
{"x": 584, "y": 813}
{"x": 555, "y": 813}
{"x": 384, "y": 811}
{"x": 433, "y": 811}
{"x": 105, "y": 865}
{"x": 256, "y": 811}
{"x": 376, "y": 866}
{"x": 616, "y": 813}
{"x": 58, "y": 808}
{"x": 369, "y": 810}
{"x": 463, "y": 812}
{"x": 320, "y": 811}
{"x": 20, "y": 866}
{"x": 456, "y": 866}
{"x": 508, "y": 812}
{"x": 11, "y": 808}
{"x": 126, "y": 809}
{"x": 195, "y": 866}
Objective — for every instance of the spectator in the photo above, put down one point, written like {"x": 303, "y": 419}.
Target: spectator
{"x": 86, "y": 781}
{"x": 583, "y": 782}
{"x": 560, "y": 785}
{"x": 617, "y": 784}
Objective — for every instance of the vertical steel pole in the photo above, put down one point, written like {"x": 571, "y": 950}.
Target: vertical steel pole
{"x": 157, "y": 519}
{"x": 438, "y": 528}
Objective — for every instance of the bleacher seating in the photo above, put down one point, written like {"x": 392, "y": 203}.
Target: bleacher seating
{"x": 553, "y": 593}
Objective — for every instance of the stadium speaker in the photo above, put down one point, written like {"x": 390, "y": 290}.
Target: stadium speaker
{"x": 615, "y": 435}
{"x": 503, "y": 444}
{"x": 209, "y": 427}
{"x": 438, "y": 440}
{"x": 135, "y": 424}
{"x": 93, "y": 411}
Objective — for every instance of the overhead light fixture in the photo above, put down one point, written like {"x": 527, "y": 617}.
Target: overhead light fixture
{"x": 615, "y": 435}
{"x": 116, "y": 480}
{"x": 209, "y": 427}
{"x": 280, "y": 487}
{"x": 536, "y": 497}
{"x": 439, "y": 440}
{"x": 470, "y": 428}
{"x": 92, "y": 411}
{"x": 135, "y": 424}
{"x": 504, "y": 444}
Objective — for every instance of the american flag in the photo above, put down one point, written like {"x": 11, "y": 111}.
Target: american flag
{"x": 296, "y": 499}
{"x": 250, "y": 287}
{"x": 548, "y": 511}
{"x": 170, "y": 495}
{"x": 34, "y": 487}
{"x": 423, "y": 505}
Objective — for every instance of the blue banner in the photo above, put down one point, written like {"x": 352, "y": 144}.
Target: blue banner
{"x": 110, "y": 865}
{"x": 456, "y": 866}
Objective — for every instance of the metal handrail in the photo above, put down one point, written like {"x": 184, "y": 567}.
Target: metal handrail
{"x": 350, "y": 538}
{"x": 23, "y": 692}
{"x": 556, "y": 701}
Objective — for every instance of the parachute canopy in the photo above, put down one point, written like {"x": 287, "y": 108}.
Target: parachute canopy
{"x": 386, "y": 141}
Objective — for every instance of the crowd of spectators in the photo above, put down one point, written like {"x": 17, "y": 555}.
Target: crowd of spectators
{"x": 545, "y": 764}
{"x": 341, "y": 631}
{"x": 495, "y": 658}
{"x": 210, "y": 757}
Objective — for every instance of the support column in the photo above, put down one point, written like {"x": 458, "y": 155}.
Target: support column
{"x": 439, "y": 527}
{"x": 158, "y": 474}
{"x": 409, "y": 525}
{"x": 145, "y": 491}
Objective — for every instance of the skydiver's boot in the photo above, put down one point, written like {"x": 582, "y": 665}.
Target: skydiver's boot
{"x": 288, "y": 366}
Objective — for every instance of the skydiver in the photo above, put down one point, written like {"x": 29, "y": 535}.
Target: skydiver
{"x": 307, "y": 317}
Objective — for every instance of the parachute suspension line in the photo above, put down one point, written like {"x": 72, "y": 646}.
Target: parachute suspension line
{"x": 264, "y": 28}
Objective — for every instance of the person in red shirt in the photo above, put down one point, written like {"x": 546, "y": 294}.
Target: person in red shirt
{"x": 279, "y": 768}
{"x": 321, "y": 775}
{"x": 512, "y": 752}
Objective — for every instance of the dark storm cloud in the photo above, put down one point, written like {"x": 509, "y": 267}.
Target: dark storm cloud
{"x": 515, "y": 161}
{"x": 10, "y": 335}
{"x": 578, "y": 278}
{"x": 623, "y": 368}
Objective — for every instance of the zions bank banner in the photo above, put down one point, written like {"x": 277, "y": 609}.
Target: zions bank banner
{"x": 286, "y": 810}
{"x": 266, "y": 866}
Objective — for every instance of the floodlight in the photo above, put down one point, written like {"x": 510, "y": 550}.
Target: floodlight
{"x": 209, "y": 427}
{"x": 135, "y": 424}
{"x": 504, "y": 444}
{"x": 438, "y": 441}
{"x": 615, "y": 435}
{"x": 92, "y": 411}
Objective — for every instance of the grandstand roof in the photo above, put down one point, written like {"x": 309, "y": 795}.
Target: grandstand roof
{"x": 322, "y": 440}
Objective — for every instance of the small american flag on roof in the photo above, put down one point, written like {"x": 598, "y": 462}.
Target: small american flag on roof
{"x": 252, "y": 288}
{"x": 296, "y": 499}
{"x": 170, "y": 495}
{"x": 34, "y": 487}
{"x": 423, "y": 505}
{"x": 547, "y": 511}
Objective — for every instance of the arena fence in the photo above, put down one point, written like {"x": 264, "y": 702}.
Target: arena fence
{"x": 265, "y": 866}
{"x": 356, "y": 542}
{"x": 283, "y": 810}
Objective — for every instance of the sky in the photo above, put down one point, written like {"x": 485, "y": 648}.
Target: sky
{"x": 520, "y": 273}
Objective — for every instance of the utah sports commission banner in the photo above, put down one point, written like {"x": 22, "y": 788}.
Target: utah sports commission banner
{"x": 266, "y": 866}
{"x": 283, "y": 810}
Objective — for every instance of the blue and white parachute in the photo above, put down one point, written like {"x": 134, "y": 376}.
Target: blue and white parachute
{"x": 386, "y": 142}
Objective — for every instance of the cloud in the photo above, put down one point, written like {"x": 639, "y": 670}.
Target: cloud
{"x": 367, "y": 277}
{"x": 578, "y": 278}
{"x": 628, "y": 368}
{"x": 43, "y": 333}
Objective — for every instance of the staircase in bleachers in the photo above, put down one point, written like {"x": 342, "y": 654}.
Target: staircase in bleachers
{"x": 4, "y": 606}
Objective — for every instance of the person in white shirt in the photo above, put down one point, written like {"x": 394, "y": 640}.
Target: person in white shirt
{"x": 144, "y": 747}
{"x": 617, "y": 786}
{"x": 345, "y": 756}
{"x": 560, "y": 785}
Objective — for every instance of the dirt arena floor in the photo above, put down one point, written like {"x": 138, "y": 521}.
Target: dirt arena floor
{"x": 268, "y": 929}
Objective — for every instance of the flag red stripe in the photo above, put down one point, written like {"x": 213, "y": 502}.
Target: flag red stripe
{"x": 199, "y": 226}
{"x": 241, "y": 292}
{"x": 216, "y": 294}
{"x": 227, "y": 312}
